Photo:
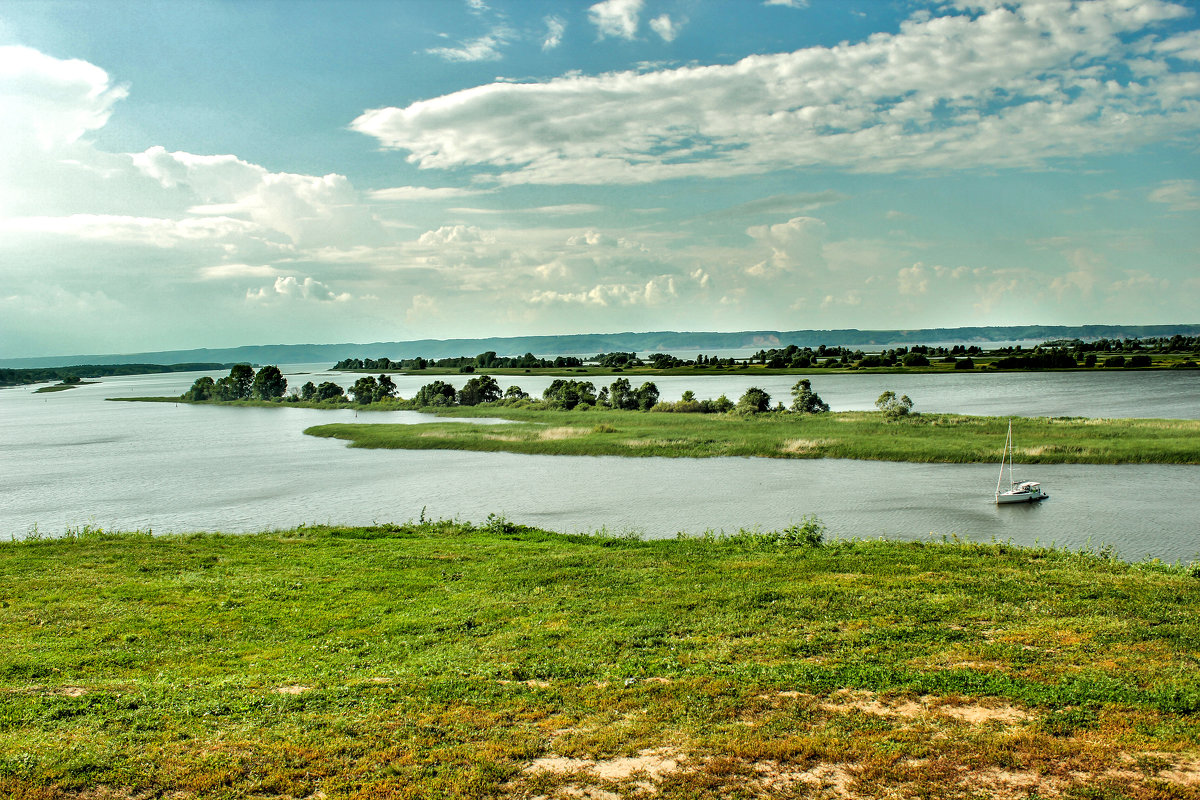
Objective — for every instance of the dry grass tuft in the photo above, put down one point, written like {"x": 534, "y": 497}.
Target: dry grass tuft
{"x": 565, "y": 432}
{"x": 804, "y": 445}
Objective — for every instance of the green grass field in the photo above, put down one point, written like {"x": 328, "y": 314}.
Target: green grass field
{"x": 943, "y": 438}
{"x": 445, "y": 660}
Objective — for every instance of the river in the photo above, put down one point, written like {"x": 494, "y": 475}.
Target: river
{"x": 70, "y": 459}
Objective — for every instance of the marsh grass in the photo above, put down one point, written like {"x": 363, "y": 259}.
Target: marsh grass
{"x": 442, "y": 659}
{"x": 940, "y": 438}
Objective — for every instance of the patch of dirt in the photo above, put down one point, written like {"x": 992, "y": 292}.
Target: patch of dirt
{"x": 72, "y": 691}
{"x": 1177, "y": 769}
{"x": 970, "y": 713}
{"x": 1003, "y": 784}
{"x": 654, "y": 764}
{"x": 294, "y": 688}
{"x": 833, "y": 779}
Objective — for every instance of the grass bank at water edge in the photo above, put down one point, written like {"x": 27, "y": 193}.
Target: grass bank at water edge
{"x": 439, "y": 659}
{"x": 934, "y": 438}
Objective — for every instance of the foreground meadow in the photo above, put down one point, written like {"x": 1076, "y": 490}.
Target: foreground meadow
{"x": 934, "y": 438}
{"x": 440, "y": 659}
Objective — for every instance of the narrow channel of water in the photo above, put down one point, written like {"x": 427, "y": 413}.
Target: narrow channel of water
{"x": 71, "y": 459}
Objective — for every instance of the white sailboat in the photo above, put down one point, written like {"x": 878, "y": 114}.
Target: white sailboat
{"x": 1018, "y": 491}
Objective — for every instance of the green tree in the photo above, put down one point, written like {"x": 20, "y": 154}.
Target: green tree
{"x": 482, "y": 389}
{"x": 329, "y": 391}
{"x": 308, "y": 391}
{"x": 805, "y": 400}
{"x": 754, "y": 401}
{"x": 568, "y": 394}
{"x": 242, "y": 376}
{"x": 515, "y": 393}
{"x": 226, "y": 389}
{"x": 202, "y": 389}
{"x": 438, "y": 393}
{"x": 620, "y": 395}
{"x": 269, "y": 383}
{"x": 646, "y": 396}
{"x": 385, "y": 388}
{"x": 894, "y": 407}
{"x": 363, "y": 390}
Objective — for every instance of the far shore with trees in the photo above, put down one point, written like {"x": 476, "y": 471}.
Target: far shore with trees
{"x": 1176, "y": 352}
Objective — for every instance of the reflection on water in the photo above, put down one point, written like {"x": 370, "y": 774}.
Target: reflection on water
{"x": 70, "y": 459}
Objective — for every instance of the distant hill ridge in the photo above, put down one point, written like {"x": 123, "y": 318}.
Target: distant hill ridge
{"x": 592, "y": 343}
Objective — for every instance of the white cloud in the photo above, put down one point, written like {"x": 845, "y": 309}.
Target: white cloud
{"x": 797, "y": 244}
{"x": 231, "y": 271}
{"x": 665, "y": 27}
{"x": 1178, "y": 195}
{"x": 47, "y": 102}
{"x": 455, "y": 234}
{"x": 288, "y": 287}
{"x": 421, "y": 193}
{"x": 1013, "y": 87}
{"x": 617, "y": 18}
{"x": 914, "y": 279}
{"x": 153, "y": 231}
{"x": 787, "y": 3}
{"x": 555, "y": 27}
{"x": 484, "y": 48}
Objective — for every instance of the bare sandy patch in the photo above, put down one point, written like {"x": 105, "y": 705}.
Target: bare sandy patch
{"x": 294, "y": 688}
{"x": 653, "y": 765}
{"x": 1001, "y": 783}
{"x": 833, "y": 779}
{"x": 969, "y": 713}
{"x": 1182, "y": 770}
{"x": 72, "y": 691}
{"x": 565, "y": 432}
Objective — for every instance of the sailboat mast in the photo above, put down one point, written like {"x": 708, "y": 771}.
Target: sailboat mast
{"x": 1005, "y": 453}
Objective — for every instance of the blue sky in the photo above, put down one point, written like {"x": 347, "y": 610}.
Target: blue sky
{"x": 191, "y": 174}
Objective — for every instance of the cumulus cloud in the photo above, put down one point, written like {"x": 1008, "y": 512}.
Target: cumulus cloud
{"x": 797, "y": 244}
{"x": 47, "y": 102}
{"x": 616, "y": 18}
{"x": 1178, "y": 195}
{"x": 288, "y": 287}
{"x": 555, "y": 27}
{"x": 914, "y": 279}
{"x": 1006, "y": 86}
{"x": 665, "y": 27}
{"x": 455, "y": 234}
{"x": 484, "y": 48}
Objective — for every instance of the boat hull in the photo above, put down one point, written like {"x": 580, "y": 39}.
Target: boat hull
{"x": 1023, "y": 497}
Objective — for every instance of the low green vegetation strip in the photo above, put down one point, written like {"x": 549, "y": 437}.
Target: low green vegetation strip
{"x": 440, "y": 659}
{"x": 941, "y": 438}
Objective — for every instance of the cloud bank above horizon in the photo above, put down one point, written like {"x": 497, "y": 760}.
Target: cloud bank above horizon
{"x": 977, "y": 162}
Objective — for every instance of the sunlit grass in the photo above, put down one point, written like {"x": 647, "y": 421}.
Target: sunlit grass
{"x": 938, "y": 438}
{"x": 442, "y": 659}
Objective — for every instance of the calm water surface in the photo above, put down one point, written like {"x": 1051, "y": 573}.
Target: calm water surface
{"x": 70, "y": 459}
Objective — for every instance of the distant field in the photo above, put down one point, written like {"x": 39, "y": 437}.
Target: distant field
{"x": 451, "y": 661}
{"x": 937, "y": 438}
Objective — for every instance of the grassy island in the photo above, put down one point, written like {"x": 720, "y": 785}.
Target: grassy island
{"x": 441, "y": 659}
{"x": 938, "y": 438}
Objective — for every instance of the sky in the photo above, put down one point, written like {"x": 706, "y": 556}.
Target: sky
{"x": 212, "y": 174}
